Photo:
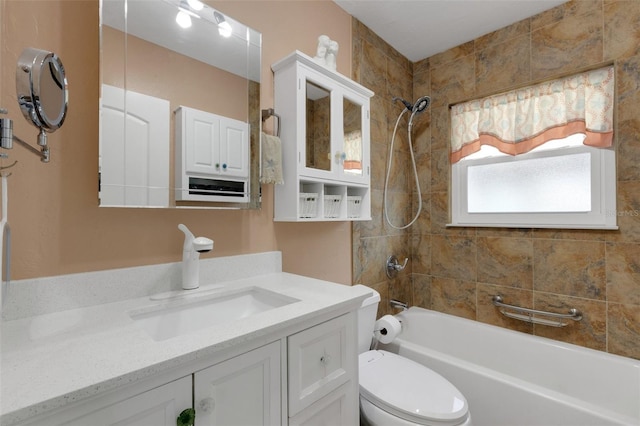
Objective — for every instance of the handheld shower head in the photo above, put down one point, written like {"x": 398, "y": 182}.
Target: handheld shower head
{"x": 421, "y": 104}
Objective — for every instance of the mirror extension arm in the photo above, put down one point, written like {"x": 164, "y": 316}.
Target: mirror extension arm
{"x": 7, "y": 138}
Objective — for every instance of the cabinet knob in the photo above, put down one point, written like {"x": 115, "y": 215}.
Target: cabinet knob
{"x": 206, "y": 405}
{"x": 325, "y": 359}
{"x": 224, "y": 166}
{"x": 186, "y": 418}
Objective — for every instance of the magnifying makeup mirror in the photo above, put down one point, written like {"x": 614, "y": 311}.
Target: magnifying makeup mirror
{"x": 42, "y": 88}
{"x": 41, "y": 85}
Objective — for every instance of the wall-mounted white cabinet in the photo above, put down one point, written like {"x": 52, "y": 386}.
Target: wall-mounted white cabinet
{"x": 325, "y": 135}
{"x": 212, "y": 157}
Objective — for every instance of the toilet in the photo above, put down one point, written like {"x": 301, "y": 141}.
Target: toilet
{"x": 395, "y": 390}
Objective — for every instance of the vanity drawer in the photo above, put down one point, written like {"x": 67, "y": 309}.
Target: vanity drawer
{"x": 321, "y": 359}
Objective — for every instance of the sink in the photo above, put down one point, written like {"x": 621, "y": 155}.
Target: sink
{"x": 191, "y": 313}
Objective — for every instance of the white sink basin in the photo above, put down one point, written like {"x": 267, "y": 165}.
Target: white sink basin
{"x": 192, "y": 313}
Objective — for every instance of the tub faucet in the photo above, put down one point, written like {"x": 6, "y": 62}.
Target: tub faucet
{"x": 398, "y": 304}
{"x": 190, "y": 256}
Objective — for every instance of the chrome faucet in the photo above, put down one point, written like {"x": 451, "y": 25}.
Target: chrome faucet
{"x": 393, "y": 266}
{"x": 190, "y": 256}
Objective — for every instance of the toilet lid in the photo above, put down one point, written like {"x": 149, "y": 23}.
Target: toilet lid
{"x": 409, "y": 390}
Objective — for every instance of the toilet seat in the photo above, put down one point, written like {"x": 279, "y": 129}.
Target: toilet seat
{"x": 410, "y": 390}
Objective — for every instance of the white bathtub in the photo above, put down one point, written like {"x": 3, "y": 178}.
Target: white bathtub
{"x": 514, "y": 379}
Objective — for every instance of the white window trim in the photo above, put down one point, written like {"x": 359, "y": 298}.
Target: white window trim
{"x": 603, "y": 195}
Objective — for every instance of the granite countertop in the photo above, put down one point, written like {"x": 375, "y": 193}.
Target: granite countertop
{"x": 51, "y": 360}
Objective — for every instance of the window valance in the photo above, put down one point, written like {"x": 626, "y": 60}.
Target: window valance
{"x": 519, "y": 121}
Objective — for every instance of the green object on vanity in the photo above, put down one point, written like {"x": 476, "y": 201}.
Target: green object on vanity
{"x": 186, "y": 418}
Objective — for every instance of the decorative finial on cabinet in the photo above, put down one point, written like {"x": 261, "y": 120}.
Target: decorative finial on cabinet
{"x": 326, "y": 52}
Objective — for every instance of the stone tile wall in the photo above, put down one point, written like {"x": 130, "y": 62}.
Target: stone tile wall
{"x": 457, "y": 270}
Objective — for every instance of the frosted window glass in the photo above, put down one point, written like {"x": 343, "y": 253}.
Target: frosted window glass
{"x": 550, "y": 184}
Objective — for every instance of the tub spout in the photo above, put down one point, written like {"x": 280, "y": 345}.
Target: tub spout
{"x": 398, "y": 304}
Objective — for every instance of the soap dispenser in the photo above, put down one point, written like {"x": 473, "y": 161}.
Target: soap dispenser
{"x": 190, "y": 256}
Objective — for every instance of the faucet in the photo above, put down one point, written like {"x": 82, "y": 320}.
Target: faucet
{"x": 190, "y": 256}
{"x": 393, "y": 266}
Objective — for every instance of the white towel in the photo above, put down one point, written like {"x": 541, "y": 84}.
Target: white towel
{"x": 271, "y": 160}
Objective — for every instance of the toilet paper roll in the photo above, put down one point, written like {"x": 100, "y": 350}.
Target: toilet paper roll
{"x": 387, "y": 328}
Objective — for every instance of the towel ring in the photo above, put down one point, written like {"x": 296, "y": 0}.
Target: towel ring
{"x": 267, "y": 113}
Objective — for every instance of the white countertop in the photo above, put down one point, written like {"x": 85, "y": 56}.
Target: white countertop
{"x": 51, "y": 360}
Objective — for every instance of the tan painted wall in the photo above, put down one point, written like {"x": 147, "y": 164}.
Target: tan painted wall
{"x": 57, "y": 226}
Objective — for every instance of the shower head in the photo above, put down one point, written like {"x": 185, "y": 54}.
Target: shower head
{"x": 406, "y": 103}
{"x": 421, "y": 104}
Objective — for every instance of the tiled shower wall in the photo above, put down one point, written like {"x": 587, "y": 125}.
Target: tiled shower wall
{"x": 457, "y": 270}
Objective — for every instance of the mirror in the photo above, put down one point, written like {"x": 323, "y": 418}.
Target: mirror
{"x": 318, "y": 125}
{"x": 43, "y": 95}
{"x": 352, "y": 122}
{"x": 42, "y": 88}
{"x": 159, "y": 59}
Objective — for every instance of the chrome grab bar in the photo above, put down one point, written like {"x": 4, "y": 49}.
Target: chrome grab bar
{"x": 528, "y": 315}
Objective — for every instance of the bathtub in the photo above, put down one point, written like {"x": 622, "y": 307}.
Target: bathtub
{"x": 515, "y": 379}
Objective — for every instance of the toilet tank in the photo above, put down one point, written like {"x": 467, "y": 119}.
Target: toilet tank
{"x": 366, "y": 320}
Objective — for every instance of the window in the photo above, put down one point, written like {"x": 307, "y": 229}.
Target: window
{"x": 538, "y": 157}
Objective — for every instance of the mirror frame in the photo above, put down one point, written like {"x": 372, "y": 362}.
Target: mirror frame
{"x": 33, "y": 66}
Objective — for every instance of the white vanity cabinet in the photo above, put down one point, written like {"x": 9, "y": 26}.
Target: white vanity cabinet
{"x": 325, "y": 134}
{"x": 304, "y": 377}
{"x": 212, "y": 157}
{"x": 243, "y": 390}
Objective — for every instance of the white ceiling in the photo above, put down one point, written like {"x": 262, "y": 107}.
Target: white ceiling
{"x": 421, "y": 28}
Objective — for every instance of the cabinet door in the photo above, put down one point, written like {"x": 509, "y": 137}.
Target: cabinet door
{"x": 234, "y": 148}
{"x": 335, "y": 128}
{"x": 160, "y": 406}
{"x": 134, "y": 149}
{"x": 340, "y": 407}
{"x": 355, "y": 139}
{"x": 202, "y": 141}
{"x": 317, "y": 98}
{"x": 244, "y": 390}
{"x": 321, "y": 359}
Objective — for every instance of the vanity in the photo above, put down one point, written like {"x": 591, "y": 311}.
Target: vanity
{"x": 256, "y": 346}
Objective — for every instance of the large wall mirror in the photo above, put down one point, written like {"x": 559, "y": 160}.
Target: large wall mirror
{"x": 179, "y": 106}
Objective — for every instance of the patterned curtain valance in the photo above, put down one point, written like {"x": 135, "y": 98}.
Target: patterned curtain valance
{"x": 518, "y": 121}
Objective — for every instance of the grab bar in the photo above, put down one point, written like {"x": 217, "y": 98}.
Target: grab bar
{"x": 527, "y": 314}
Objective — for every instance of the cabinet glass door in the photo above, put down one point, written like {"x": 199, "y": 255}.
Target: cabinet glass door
{"x": 352, "y": 149}
{"x": 318, "y": 127}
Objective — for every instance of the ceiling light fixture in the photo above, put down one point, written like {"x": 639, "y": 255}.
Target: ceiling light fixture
{"x": 183, "y": 19}
{"x": 224, "y": 28}
{"x": 195, "y": 4}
